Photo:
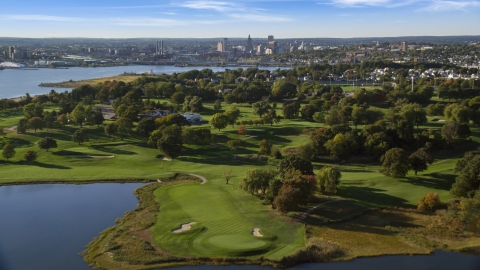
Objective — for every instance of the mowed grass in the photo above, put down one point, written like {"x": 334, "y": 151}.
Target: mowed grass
{"x": 224, "y": 220}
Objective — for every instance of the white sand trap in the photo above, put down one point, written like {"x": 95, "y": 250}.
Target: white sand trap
{"x": 184, "y": 227}
{"x": 87, "y": 156}
{"x": 441, "y": 120}
{"x": 167, "y": 159}
{"x": 256, "y": 232}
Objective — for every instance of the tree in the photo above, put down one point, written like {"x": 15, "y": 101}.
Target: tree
{"x": 192, "y": 104}
{"x": 170, "y": 143}
{"x": 265, "y": 147}
{"x": 219, "y": 121}
{"x": 319, "y": 117}
{"x": 272, "y": 191}
{"x": 178, "y": 97}
{"x": 430, "y": 202}
{"x": 62, "y": 120}
{"x": 467, "y": 183}
{"x": 33, "y": 110}
{"x": 306, "y": 151}
{"x": 395, "y": 163}
{"x": 47, "y": 143}
{"x": 233, "y": 113}
{"x": 80, "y": 136}
{"x": 22, "y": 126}
{"x": 341, "y": 146}
{"x": 318, "y": 138}
{"x": 227, "y": 175}
{"x": 110, "y": 129}
{"x": 124, "y": 126}
{"x": 234, "y": 145}
{"x": 453, "y": 131}
{"x": 419, "y": 160}
{"x": 290, "y": 110}
{"x": 261, "y": 107}
{"x": 287, "y": 198}
{"x": 335, "y": 116}
{"x": 172, "y": 119}
{"x": 8, "y": 151}
{"x": 196, "y": 136}
{"x": 295, "y": 163}
{"x": 2, "y": 132}
{"x": 308, "y": 112}
{"x": 257, "y": 180}
{"x": 229, "y": 98}
{"x": 217, "y": 105}
{"x": 328, "y": 178}
{"x": 146, "y": 126}
{"x": 271, "y": 117}
{"x": 296, "y": 190}
{"x": 30, "y": 156}
{"x": 79, "y": 115}
{"x": 36, "y": 123}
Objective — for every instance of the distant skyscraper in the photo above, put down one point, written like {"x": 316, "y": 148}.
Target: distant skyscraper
{"x": 270, "y": 39}
{"x": 260, "y": 49}
{"x": 222, "y": 45}
{"x": 249, "y": 47}
{"x": 404, "y": 46}
{"x": 158, "y": 49}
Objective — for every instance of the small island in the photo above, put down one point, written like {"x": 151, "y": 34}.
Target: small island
{"x": 259, "y": 167}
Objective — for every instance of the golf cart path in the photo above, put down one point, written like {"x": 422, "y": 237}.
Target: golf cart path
{"x": 204, "y": 180}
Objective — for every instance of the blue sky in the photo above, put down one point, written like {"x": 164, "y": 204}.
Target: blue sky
{"x": 226, "y": 18}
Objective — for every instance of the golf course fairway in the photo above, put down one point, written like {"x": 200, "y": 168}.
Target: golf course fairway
{"x": 224, "y": 219}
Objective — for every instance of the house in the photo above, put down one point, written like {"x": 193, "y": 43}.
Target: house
{"x": 192, "y": 117}
{"x": 155, "y": 114}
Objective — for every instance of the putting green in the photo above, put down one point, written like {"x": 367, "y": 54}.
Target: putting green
{"x": 236, "y": 242}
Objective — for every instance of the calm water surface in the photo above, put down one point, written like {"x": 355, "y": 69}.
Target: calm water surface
{"x": 17, "y": 82}
{"x": 47, "y": 226}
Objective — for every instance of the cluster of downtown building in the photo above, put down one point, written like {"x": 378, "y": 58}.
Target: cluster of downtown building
{"x": 271, "y": 47}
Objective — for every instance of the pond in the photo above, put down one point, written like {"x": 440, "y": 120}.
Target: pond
{"x": 47, "y": 226}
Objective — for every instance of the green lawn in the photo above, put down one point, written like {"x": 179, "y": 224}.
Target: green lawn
{"x": 225, "y": 217}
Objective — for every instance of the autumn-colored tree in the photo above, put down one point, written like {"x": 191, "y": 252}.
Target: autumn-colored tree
{"x": 430, "y": 202}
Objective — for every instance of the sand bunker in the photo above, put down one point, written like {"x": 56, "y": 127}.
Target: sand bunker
{"x": 87, "y": 156}
{"x": 184, "y": 227}
{"x": 256, "y": 232}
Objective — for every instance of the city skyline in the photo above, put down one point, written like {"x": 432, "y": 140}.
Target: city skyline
{"x": 226, "y": 18}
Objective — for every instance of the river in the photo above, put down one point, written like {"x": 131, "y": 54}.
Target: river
{"x": 47, "y": 226}
{"x": 17, "y": 82}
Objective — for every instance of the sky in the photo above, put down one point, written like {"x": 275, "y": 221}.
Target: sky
{"x": 227, "y": 18}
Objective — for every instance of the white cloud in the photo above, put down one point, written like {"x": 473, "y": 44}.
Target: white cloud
{"x": 259, "y": 17}
{"x": 436, "y": 6}
{"x": 213, "y": 5}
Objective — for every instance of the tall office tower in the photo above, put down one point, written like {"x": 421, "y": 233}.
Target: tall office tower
{"x": 161, "y": 47}
{"x": 270, "y": 39}
{"x": 220, "y": 46}
{"x": 260, "y": 49}
{"x": 404, "y": 46}
{"x": 156, "y": 50}
{"x": 225, "y": 44}
{"x": 249, "y": 46}
{"x": 11, "y": 51}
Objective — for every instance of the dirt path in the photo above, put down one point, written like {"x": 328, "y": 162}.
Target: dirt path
{"x": 304, "y": 215}
{"x": 204, "y": 180}
{"x": 12, "y": 128}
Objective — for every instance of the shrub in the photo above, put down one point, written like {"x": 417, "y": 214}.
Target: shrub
{"x": 30, "y": 156}
{"x": 430, "y": 202}
{"x": 275, "y": 152}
